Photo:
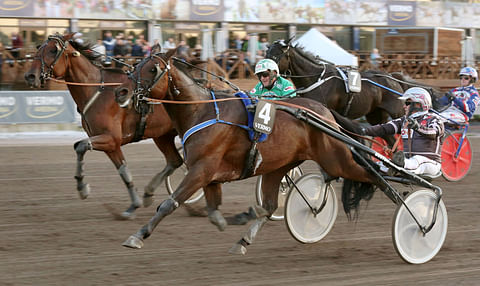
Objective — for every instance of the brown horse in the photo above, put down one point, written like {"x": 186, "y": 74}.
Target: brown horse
{"x": 107, "y": 125}
{"x": 322, "y": 81}
{"x": 218, "y": 153}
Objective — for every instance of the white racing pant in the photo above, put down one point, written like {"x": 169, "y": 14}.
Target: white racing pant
{"x": 421, "y": 165}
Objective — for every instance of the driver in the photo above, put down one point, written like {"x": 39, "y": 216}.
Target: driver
{"x": 421, "y": 133}
{"x": 271, "y": 85}
{"x": 464, "y": 99}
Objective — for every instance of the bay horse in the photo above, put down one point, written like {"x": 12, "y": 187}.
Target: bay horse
{"x": 307, "y": 71}
{"x": 108, "y": 126}
{"x": 218, "y": 152}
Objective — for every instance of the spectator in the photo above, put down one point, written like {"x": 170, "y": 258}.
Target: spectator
{"x": 263, "y": 46}
{"x": 183, "y": 50}
{"x": 137, "y": 49}
{"x": 129, "y": 43}
{"x": 238, "y": 43}
{"x": 119, "y": 50}
{"x": 109, "y": 43}
{"x": 375, "y": 57}
{"x": 17, "y": 45}
{"x": 169, "y": 44}
{"x": 245, "y": 44}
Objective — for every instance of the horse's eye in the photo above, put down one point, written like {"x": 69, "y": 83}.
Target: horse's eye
{"x": 53, "y": 51}
{"x": 153, "y": 70}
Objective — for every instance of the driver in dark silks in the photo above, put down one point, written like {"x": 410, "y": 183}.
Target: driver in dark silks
{"x": 421, "y": 132}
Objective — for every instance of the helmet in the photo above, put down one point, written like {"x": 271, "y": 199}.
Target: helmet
{"x": 265, "y": 65}
{"x": 470, "y": 72}
{"x": 420, "y": 95}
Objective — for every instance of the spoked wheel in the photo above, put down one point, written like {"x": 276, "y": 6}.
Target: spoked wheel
{"x": 409, "y": 241}
{"x": 174, "y": 180}
{"x": 303, "y": 223}
{"x": 285, "y": 185}
{"x": 456, "y": 168}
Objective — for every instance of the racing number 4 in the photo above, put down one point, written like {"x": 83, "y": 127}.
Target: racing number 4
{"x": 265, "y": 113}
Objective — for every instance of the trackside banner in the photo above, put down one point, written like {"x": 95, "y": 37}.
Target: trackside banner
{"x": 37, "y": 107}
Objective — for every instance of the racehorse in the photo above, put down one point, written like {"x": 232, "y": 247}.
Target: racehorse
{"x": 218, "y": 149}
{"x": 308, "y": 71}
{"x": 108, "y": 126}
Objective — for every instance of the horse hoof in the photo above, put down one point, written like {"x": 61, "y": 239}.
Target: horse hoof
{"x": 238, "y": 249}
{"x": 126, "y": 215}
{"x": 84, "y": 191}
{"x": 217, "y": 219}
{"x": 133, "y": 242}
{"x": 147, "y": 200}
{"x": 258, "y": 211}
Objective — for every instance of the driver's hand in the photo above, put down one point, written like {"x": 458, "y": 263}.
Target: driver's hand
{"x": 412, "y": 124}
{"x": 450, "y": 96}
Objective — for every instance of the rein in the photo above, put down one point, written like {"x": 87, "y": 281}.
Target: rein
{"x": 279, "y": 102}
{"x": 85, "y": 84}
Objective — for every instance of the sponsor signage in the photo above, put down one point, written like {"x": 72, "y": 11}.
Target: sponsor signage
{"x": 402, "y": 13}
{"x": 206, "y": 10}
{"x": 16, "y": 7}
{"x": 37, "y": 107}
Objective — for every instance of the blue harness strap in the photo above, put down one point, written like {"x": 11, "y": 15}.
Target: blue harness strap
{"x": 250, "y": 116}
{"x": 382, "y": 86}
{"x": 246, "y": 101}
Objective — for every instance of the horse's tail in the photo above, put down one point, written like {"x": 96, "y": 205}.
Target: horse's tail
{"x": 353, "y": 192}
{"x": 347, "y": 124}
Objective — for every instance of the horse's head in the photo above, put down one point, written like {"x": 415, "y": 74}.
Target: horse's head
{"x": 151, "y": 75}
{"x": 278, "y": 51}
{"x": 50, "y": 59}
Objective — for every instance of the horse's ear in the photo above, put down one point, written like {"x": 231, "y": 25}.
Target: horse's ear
{"x": 171, "y": 52}
{"x": 290, "y": 40}
{"x": 68, "y": 37}
{"x": 156, "y": 49}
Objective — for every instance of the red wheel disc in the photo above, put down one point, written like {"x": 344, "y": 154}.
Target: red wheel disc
{"x": 455, "y": 169}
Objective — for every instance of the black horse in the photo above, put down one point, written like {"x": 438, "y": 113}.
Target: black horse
{"x": 407, "y": 82}
{"x": 323, "y": 81}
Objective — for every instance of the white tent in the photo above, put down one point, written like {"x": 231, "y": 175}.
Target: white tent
{"x": 317, "y": 43}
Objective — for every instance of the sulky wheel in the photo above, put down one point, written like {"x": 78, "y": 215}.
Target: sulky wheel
{"x": 285, "y": 186}
{"x": 306, "y": 225}
{"x": 409, "y": 241}
{"x": 455, "y": 168}
{"x": 174, "y": 180}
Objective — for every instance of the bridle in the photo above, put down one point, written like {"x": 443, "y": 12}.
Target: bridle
{"x": 144, "y": 87}
{"x": 46, "y": 71}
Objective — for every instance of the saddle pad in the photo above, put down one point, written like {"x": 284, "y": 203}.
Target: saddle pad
{"x": 250, "y": 115}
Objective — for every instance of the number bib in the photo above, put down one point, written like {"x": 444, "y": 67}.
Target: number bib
{"x": 354, "y": 81}
{"x": 264, "y": 117}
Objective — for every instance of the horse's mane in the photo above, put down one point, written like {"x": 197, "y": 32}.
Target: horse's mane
{"x": 86, "y": 49}
{"x": 315, "y": 59}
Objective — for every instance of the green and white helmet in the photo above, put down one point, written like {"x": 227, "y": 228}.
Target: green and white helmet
{"x": 266, "y": 65}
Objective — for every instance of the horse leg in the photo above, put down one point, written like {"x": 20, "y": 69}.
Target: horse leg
{"x": 166, "y": 144}
{"x": 195, "y": 180}
{"x": 81, "y": 148}
{"x": 213, "y": 196}
{"x": 270, "y": 202}
{"x": 119, "y": 161}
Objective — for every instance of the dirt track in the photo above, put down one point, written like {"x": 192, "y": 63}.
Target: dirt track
{"x": 51, "y": 237}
